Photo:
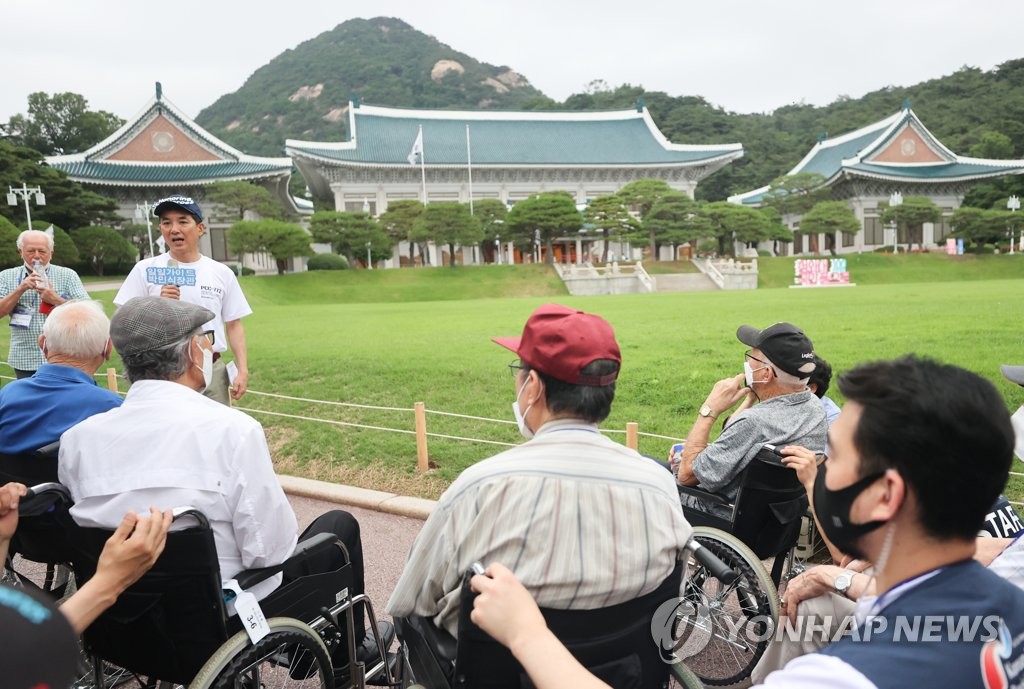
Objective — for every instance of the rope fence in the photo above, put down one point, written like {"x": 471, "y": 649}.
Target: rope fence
{"x": 419, "y": 429}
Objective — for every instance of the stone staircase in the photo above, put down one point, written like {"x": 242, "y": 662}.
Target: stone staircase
{"x": 684, "y": 282}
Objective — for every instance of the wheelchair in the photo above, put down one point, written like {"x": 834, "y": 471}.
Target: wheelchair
{"x": 41, "y": 537}
{"x": 630, "y": 645}
{"x": 171, "y": 628}
{"x": 730, "y": 626}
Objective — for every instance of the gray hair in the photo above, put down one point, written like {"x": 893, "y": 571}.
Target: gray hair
{"x": 77, "y": 329}
{"x": 784, "y": 377}
{"x": 165, "y": 363}
{"x": 34, "y": 233}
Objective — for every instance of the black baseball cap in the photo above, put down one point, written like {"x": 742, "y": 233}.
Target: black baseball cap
{"x": 784, "y": 344}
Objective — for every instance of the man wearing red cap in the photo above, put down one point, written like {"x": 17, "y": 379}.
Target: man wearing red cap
{"x": 582, "y": 521}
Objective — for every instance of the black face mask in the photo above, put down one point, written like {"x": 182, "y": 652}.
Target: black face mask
{"x": 833, "y": 510}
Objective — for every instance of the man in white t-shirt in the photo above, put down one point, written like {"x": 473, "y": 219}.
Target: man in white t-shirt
{"x": 184, "y": 273}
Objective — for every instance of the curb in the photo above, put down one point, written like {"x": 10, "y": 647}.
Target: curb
{"x": 391, "y": 503}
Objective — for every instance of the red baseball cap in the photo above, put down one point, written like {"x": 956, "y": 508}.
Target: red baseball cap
{"x": 561, "y": 342}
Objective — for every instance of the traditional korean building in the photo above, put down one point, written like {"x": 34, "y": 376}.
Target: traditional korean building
{"x": 865, "y": 167}
{"x": 496, "y": 155}
{"x": 160, "y": 152}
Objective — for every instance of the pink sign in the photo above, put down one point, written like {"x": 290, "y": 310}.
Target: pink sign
{"x": 821, "y": 272}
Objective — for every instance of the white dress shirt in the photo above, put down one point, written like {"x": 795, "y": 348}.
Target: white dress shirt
{"x": 168, "y": 446}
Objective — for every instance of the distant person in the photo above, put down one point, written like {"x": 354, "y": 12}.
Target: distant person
{"x": 185, "y": 274}
{"x": 777, "y": 369}
{"x": 28, "y": 293}
{"x": 35, "y": 411}
{"x": 587, "y": 522}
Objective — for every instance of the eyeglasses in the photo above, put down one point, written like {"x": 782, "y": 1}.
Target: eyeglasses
{"x": 515, "y": 367}
{"x": 210, "y": 336}
{"x": 751, "y": 356}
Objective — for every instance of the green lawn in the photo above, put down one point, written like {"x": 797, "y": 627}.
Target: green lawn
{"x": 392, "y": 338}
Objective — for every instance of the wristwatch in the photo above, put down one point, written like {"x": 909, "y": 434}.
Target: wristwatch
{"x": 705, "y": 410}
{"x": 842, "y": 583}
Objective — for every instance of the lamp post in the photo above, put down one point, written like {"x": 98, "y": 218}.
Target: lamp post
{"x": 1013, "y": 203}
{"x": 25, "y": 192}
{"x": 369, "y": 263}
{"x": 142, "y": 213}
{"x": 895, "y": 201}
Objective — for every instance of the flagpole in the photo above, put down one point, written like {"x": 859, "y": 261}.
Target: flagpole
{"x": 469, "y": 169}
{"x": 423, "y": 165}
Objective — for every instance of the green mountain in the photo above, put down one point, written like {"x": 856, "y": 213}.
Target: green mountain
{"x": 304, "y": 93}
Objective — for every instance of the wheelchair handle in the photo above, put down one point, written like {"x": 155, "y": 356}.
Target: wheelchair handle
{"x": 50, "y": 487}
{"x": 719, "y": 570}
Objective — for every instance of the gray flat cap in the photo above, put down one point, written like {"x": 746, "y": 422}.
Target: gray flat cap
{"x": 147, "y": 323}
{"x": 1014, "y": 374}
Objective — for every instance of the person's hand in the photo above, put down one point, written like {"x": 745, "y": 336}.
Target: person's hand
{"x": 810, "y": 583}
{"x": 726, "y": 393}
{"x": 31, "y": 281}
{"x": 505, "y": 609}
{"x": 240, "y": 385}
{"x": 10, "y": 496}
{"x": 47, "y": 294}
{"x": 804, "y": 462}
{"x": 132, "y": 549}
{"x": 170, "y": 291}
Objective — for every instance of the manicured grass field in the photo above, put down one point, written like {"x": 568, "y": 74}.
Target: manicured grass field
{"x": 392, "y": 338}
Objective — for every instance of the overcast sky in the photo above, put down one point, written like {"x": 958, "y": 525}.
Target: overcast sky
{"x": 743, "y": 55}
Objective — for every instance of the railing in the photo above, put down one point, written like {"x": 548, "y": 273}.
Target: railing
{"x": 570, "y": 272}
{"x": 418, "y": 412}
{"x": 729, "y": 274}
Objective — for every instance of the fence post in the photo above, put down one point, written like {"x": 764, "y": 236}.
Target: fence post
{"x": 112, "y": 379}
{"x": 631, "y": 435}
{"x": 421, "y": 437}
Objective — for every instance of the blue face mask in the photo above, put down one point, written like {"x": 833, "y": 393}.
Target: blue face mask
{"x": 524, "y": 430}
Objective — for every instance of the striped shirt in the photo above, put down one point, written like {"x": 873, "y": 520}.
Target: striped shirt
{"x": 24, "y": 353}
{"x": 582, "y": 521}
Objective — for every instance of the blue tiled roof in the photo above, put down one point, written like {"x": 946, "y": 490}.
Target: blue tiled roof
{"x": 101, "y": 172}
{"x": 938, "y": 173}
{"x": 510, "y": 139}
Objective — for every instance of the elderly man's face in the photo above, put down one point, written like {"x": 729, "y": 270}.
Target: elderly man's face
{"x": 35, "y": 247}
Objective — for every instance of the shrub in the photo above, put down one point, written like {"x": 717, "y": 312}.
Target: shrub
{"x": 327, "y": 262}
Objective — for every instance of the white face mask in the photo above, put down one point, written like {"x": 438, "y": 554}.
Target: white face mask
{"x": 524, "y": 430}
{"x": 748, "y": 374}
{"x": 1017, "y": 420}
{"x": 206, "y": 368}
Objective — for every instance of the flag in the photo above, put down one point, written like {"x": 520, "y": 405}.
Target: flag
{"x": 417, "y": 148}
{"x": 49, "y": 231}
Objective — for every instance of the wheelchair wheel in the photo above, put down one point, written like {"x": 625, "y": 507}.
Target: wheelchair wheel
{"x": 291, "y": 656}
{"x": 682, "y": 677}
{"x": 724, "y": 629}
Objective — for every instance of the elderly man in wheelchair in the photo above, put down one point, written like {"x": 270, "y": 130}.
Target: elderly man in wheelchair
{"x": 169, "y": 445}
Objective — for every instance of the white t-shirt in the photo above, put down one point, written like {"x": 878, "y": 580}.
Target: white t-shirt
{"x": 208, "y": 283}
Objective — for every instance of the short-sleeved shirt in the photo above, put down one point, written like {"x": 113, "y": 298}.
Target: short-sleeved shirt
{"x": 207, "y": 283}
{"x": 25, "y": 354}
{"x": 794, "y": 419}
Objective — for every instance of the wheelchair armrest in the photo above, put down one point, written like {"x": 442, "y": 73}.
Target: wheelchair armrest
{"x": 443, "y": 645}
{"x": 713, "y": 498}
{"x": 50, "y": 451}
{"x": 313, "y": 544}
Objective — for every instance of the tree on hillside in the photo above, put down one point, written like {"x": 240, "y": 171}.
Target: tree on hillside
{"x": 67, "y": 203}
{"x": 449, "y": 222}
{"x": 641, "y": 194}
{"x": 238, "y": 197}
{"x": 777, "y": 230}
{"x": 796, "y": 194}
{"x": 103, "y": 247}
{"x": 350, "y": 234}
{"x": 979, "y": 226}
{"x": 910, "y": 217}
{"x": 829, "y": 217}
{"x": 731, "y": 223}
{"x": 279, "y": 239}
{"x": 61, "y": 123}
{"x": 609, "y": 215}
{"x": 544, "y": 217}
{"x": 398, "y": 222}
{"x": 491, "y": 213}
{"x": 993, "y": 145}
{"x": 674, "y": 220}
